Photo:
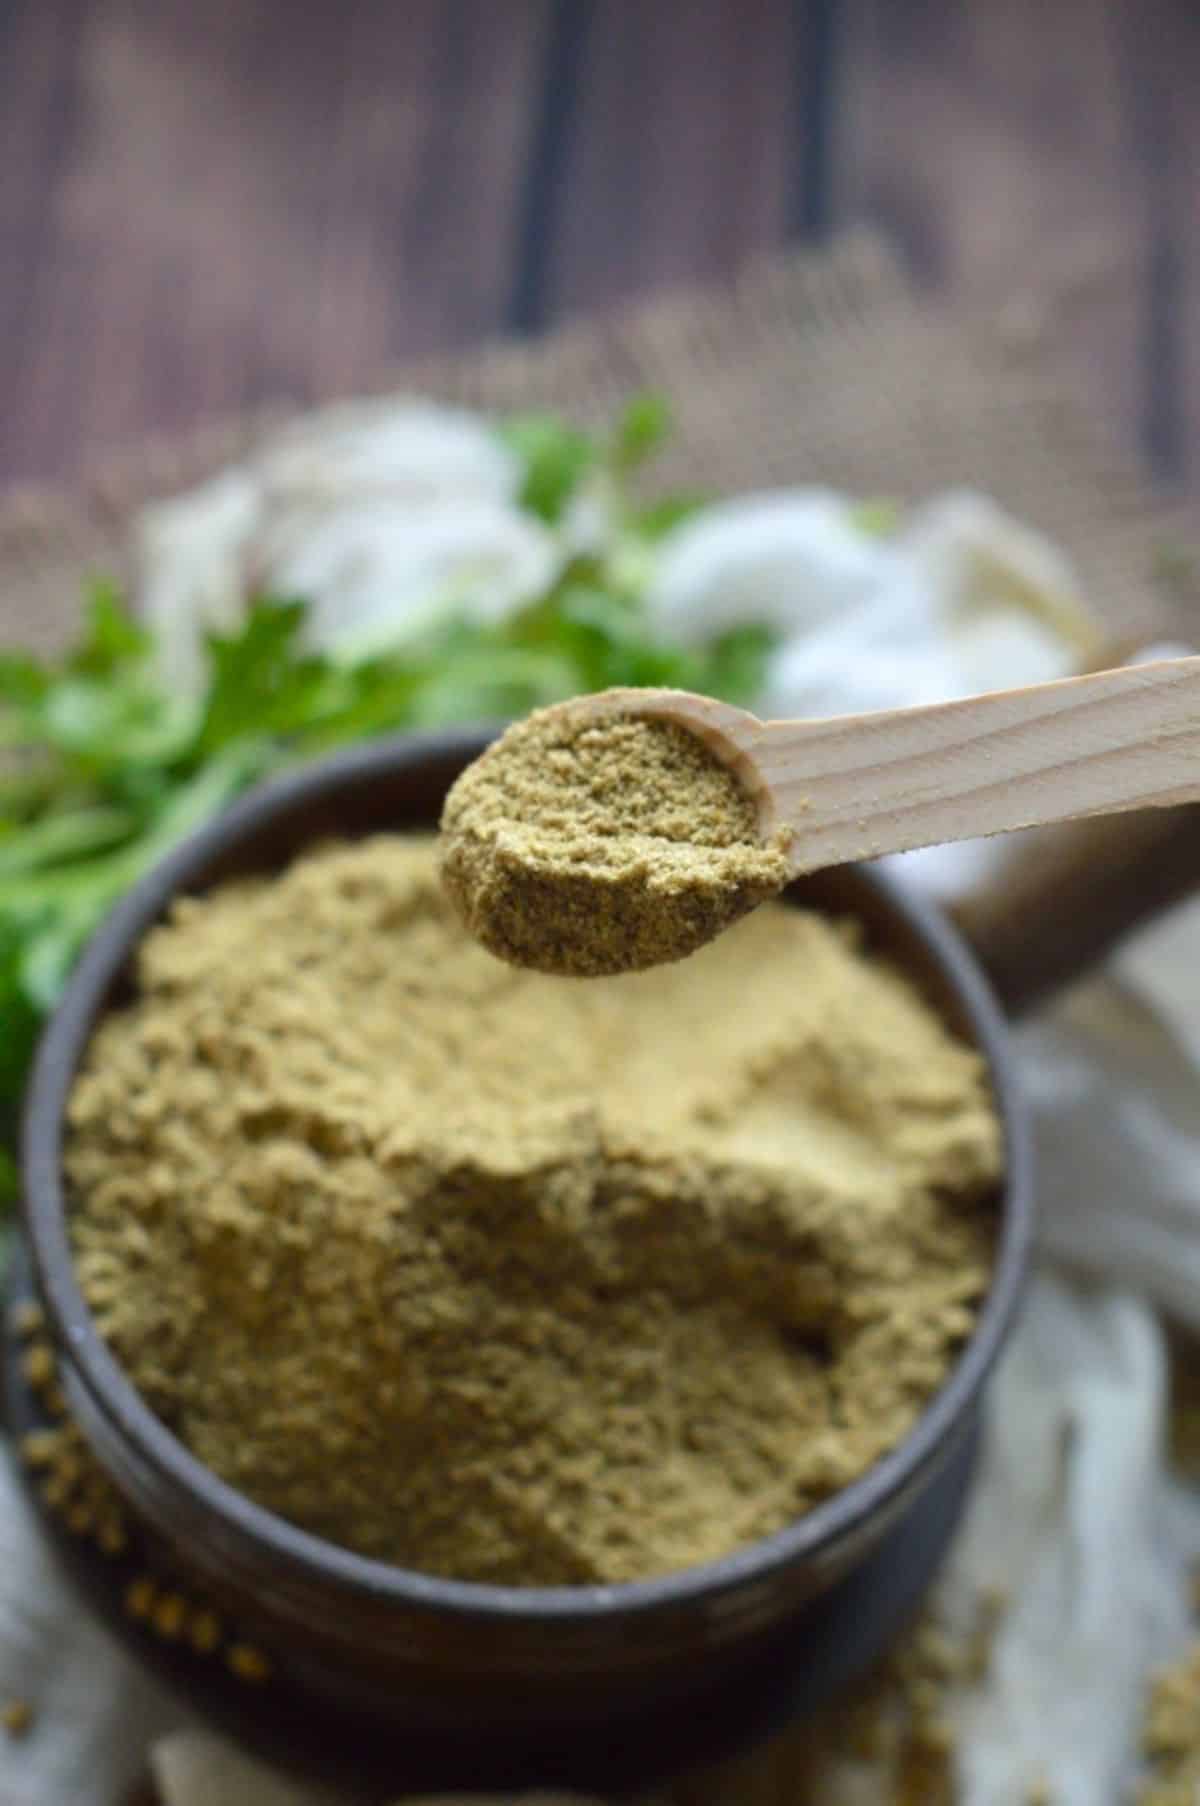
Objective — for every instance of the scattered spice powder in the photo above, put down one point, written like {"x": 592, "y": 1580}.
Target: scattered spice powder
{"x": 77, "y": 1489}
{"x": 891, "y": 1738}
{"x": 1171, "y": 1737}
{"x": 587, "y": 845}
{"x": 73, "y": 1487}
{"x": 16, "y": 1715}
{"x": 70, "y": 1481}
{"x": 28, "y": 1318}
{"x": 499, "y": 1276}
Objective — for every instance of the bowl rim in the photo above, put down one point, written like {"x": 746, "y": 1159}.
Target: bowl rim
{"x": 286, "y": 1546}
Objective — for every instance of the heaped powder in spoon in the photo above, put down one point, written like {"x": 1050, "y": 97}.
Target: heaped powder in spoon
{"x": 585, "y": 844}
{"x": 511, "y": 1278}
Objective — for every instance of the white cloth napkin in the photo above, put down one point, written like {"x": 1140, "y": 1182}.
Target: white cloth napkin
{"x": 1074, "y": 1514}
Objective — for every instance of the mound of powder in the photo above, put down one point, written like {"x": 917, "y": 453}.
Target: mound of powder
{"x": 586, "y": 845}
{"x": 510, "y": 1278}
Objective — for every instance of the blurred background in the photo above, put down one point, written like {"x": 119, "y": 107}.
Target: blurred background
{"x": 205, "y": 208}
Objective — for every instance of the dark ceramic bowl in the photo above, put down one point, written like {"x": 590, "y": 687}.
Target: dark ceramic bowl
{"x": 403, "y": 1680}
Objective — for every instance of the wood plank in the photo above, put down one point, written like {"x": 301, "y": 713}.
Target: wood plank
{"x": 218, "y": 207}
{"x": 681, "y": 159}
{"x": 1186, "y": 206}
{"x": 1011, "y": 146}
{"x": 1159, "y": 46}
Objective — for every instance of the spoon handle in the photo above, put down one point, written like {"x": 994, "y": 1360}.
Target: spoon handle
{"x": 859, "y": 786}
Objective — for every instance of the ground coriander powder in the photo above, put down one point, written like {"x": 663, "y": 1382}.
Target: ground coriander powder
{"x": 504, "y": 1277}
{"x": 1171, "y": 1735}
{"x": 587, "y": 844}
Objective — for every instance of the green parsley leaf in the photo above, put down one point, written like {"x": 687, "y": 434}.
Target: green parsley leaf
{"x": 112, "y": 637}
{"x": 641, "y": 430}
{"x": 877, "y": 518}
{"x": 23, "y": 681}
{"x": 662, "y": 517}
{"x": 555, "y": 458}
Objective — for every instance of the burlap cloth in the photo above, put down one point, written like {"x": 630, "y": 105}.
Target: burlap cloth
{"x": 812, "y": 368}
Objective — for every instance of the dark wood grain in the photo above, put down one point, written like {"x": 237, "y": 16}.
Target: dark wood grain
{"x": 208, "y": 207}
{"x": 998, "y": 145}
{"x": 1160, "y": 55}
{"x": 678, "y": 163}
{"x": 204, "y": 209}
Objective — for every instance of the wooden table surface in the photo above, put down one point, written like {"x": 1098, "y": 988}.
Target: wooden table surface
{"x": 207, "y": 207}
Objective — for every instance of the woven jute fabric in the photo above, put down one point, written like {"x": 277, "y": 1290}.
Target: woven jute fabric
{"x": 817, "y": 367}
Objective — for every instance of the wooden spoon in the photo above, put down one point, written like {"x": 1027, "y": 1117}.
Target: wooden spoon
{"x": 619, "y": 895}
{"x": 859, "y": 786}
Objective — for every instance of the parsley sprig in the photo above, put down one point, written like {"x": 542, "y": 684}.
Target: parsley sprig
{"x": 104, "y": 767}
